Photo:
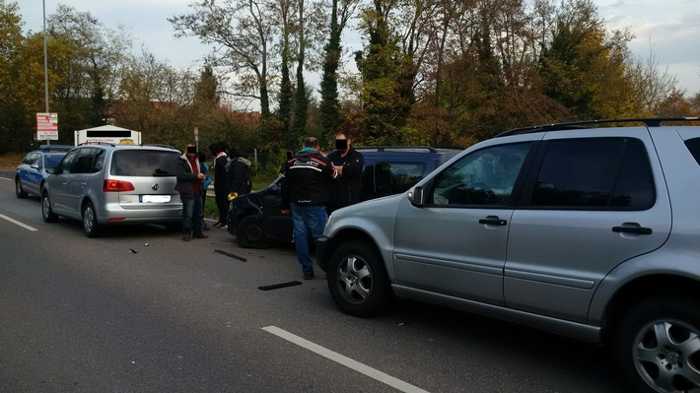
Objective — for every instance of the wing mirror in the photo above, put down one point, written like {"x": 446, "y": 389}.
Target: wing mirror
{"x": 35, "y": 166}
{"x": 417, "y": 196}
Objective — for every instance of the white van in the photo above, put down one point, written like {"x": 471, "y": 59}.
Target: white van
{"x": 108, "y": 134}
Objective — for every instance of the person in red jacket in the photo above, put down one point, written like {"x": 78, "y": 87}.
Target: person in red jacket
{"x": 189, "y": 184}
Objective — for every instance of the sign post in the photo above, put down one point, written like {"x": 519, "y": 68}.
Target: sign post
{"x": 196, "y": 137}
{"x": 47, "y": 126}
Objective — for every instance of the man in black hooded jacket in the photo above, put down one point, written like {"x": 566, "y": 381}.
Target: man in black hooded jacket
{"x": 348, "y": 163}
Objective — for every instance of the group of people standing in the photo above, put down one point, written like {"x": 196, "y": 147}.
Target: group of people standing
{"x": 231, "y": 174}
{"x": 315, "y": 185}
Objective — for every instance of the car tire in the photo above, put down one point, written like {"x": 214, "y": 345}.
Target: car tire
{"x": 47, "y": 213}
{"x": 89, "y": 220}
{"x": 656, "y": 345}
{"x": 19, "y": 191}
{"x": 250, "y": 233}
{"x": 358, "y": 281}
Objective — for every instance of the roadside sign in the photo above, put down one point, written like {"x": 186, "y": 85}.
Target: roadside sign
{"x": 47, "y": 126}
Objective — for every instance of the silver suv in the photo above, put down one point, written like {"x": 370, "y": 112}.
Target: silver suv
{"x": 588, "y": 232}
{"x": 103, "y": 184}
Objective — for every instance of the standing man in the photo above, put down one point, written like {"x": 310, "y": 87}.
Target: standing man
{"x": 205, "y": 185}
{"x": 306, "y": 191}
{"x": 220, "y": 182}
{"x": 239, "y": 174}
{"x": 189, "y": 184}
{"x": 348, "y": 163}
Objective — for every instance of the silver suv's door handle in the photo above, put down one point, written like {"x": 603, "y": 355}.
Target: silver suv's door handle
{"x": 493, "y": 220}
{"x": 632, "y": 228}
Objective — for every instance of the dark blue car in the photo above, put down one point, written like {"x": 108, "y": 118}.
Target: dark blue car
{"x": 32, "y": 172}
{"x": 256, "y": 219}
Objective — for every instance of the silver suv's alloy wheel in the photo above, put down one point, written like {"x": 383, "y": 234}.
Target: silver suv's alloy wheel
{"x": 355, "y": 279}
{"x": 667, "y": 356}
{"x": 45, "y": 206}
{"x": 88, "y": 219}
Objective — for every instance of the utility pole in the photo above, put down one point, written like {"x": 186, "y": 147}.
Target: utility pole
{"x": 46, "y": 65}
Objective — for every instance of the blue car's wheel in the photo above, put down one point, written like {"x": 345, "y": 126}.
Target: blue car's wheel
{"x": 19, "y": 191}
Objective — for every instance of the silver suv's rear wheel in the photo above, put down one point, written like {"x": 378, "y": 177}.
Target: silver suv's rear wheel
{"x": 47, "y": 213}
{"x": 658, "y": 344}
{"x": 90, "y": 226}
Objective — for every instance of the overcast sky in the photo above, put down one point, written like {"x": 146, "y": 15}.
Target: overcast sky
{"x": 670, "y": 27}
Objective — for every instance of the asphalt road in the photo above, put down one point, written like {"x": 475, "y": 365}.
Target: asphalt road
{"x": 90, "y": 315}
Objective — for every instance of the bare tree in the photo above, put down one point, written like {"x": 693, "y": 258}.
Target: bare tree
{"x": 243, "y": 34}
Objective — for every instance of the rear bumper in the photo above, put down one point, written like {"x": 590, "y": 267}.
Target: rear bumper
{"x": 114, "y": 213}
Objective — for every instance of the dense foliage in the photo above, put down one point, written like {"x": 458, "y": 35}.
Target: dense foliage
{"x": 438, "y": 72}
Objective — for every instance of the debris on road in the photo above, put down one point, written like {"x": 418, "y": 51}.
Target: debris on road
{"x": 230, "y": 255}
{"x": 278, "y": 286}
{"x": 146, "y": 244}
{"x": 133, "y": 251}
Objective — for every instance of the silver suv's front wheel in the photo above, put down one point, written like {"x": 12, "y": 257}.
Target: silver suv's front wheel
{"x": 357, "y": 279}
{"x": 658, "y": 344}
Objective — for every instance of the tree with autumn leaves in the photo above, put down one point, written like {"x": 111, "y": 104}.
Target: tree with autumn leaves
{"x": 439, "y": 72}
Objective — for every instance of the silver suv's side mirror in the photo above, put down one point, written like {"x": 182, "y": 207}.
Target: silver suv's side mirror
{"x": 417, "y": 196}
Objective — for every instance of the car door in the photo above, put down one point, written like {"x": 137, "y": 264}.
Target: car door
{"x": 456, "y": 243}
{"x": 22, "y": 169}
{"x": 82, "y": 168}
{"x": 34, "y": 173}
{"x": 597, "y": 199}
{"x": 59, "y": 184}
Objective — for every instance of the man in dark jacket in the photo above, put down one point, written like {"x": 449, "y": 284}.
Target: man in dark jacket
{"x": 348, "y": 163}
{"x": 239, "y": 174}
{"x": 306, "y": 191}
{"x": 220, "y": 182}
{"x": 189, "y": 185}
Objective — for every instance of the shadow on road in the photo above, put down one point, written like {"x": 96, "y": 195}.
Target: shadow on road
{"x": 508, "y": 346}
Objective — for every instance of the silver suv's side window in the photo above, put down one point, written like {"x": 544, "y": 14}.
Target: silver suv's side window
{"x": 485, "y": 177}
{"x": 68, "y": 161}
{"x": 594, "y": 174}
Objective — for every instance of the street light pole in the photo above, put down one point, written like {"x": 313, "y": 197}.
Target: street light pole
{"x": 46, "y": 65}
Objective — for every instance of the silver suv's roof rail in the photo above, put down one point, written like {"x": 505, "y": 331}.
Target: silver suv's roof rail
{"x": 97, "y": 143}
{"x": 573, "y": 125}
{"x": 164, "y": 146}
{"x": 382, "y": 148}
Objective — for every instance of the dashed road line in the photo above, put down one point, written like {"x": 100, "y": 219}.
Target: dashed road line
{"x": 361, "y": 368}
{"x": 23, "y": 225}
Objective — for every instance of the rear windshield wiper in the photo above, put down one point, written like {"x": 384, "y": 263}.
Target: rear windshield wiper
{"x": 160, "y": 172}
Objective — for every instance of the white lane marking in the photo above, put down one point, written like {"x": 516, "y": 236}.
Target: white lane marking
{"x": 5, "y": 178}
{"x": 345, "y": 361}
{"x": 12, "y": 220}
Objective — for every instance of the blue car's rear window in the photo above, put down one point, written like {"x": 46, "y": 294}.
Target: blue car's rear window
{"x": 52, "y": 160}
